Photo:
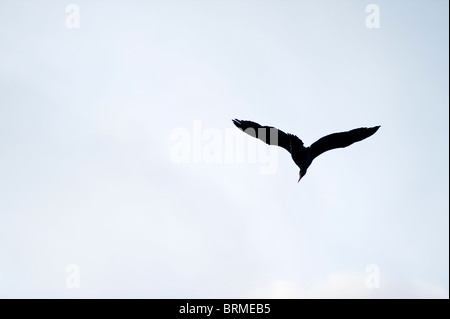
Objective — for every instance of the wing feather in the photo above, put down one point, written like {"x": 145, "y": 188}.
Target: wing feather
{"x": 269, "y": 135}
{"x": 339, "y": 140}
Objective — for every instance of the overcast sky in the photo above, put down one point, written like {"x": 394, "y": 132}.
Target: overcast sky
{"x": 99, "y": 103}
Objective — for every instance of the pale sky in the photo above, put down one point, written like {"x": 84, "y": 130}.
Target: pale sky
{"x": 93, "y": 205}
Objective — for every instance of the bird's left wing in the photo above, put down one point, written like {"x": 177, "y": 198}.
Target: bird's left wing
{"x": 269, "y": 134}
{"x": 343, "y": 139}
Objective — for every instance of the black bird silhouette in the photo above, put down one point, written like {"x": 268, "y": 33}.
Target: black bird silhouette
{"x": 303, "y": 156}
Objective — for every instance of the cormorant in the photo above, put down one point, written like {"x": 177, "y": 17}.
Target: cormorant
{"x": 303, "y": 156}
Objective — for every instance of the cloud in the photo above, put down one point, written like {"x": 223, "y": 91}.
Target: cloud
{"x": 348, "y": 285}
{"x": 421, "y": 289}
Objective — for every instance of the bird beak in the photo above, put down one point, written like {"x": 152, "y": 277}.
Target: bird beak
{"x": 299, "y": 177}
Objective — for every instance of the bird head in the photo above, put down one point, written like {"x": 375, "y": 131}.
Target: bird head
{"x": 301, "y": 174}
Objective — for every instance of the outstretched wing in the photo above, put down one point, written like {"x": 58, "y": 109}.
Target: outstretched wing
{"x": 269, "y": 135}
{"x": 338, "y": 140}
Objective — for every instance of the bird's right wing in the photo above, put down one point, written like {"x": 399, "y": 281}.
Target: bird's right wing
{"x": 343, "y": 139}
{"x": 269, "y": 134}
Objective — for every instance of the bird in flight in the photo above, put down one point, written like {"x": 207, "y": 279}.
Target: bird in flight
{"x": 303, "y": 156}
